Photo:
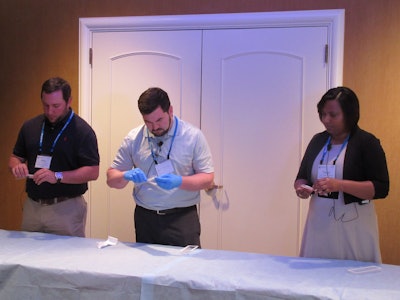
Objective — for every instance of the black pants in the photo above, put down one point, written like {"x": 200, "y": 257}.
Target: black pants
{"x": 178, "y": 228}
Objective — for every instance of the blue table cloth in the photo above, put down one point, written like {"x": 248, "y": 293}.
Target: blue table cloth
{"x": 45, "y": 266}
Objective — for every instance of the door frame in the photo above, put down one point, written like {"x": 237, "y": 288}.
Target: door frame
{"x": 332, "y": 19}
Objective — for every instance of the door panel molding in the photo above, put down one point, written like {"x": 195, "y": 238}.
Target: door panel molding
{"x": 333, "y": 19}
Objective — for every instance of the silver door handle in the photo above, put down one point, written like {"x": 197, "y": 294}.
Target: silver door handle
{"x": 214, "y": 187}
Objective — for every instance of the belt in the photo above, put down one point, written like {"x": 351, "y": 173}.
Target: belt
{"x": 51, "y": 201}
{"x": 169, "y": 211}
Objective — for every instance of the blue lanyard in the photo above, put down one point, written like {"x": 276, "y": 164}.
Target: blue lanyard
{"x": 58, "y": 135}
{"x": 327, "y": 144}
{"x": 170, "y": 147}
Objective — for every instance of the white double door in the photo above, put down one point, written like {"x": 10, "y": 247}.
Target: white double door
{"x": 253, "y": 92}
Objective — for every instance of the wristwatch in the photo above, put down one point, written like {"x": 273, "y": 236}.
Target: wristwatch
{"x": 59, "y": 176}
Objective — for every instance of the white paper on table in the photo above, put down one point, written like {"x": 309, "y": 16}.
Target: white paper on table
{"x": 188, "y": 249}
{"x": 111, "y": 241}
{"x": 362, "y": 270}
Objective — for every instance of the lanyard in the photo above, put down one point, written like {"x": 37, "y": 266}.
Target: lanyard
{"x": 58, "y": 135}
{"x": 328, "y": 145}
{"x": 170, "y": 147}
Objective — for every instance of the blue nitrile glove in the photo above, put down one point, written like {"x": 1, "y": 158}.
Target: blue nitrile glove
{"x": 169, "y": 181}
{"x": 136, "y": 175}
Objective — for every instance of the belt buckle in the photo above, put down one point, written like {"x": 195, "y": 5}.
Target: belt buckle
{"x": 160, "y": 213}
{"x": 47, "y": 202}
{"x": 44, "y": 202}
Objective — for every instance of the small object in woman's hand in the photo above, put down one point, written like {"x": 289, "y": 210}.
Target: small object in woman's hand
{"x": 307, "y": 187}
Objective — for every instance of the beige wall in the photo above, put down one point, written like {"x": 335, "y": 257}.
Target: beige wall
{"x": 40, "y": 39}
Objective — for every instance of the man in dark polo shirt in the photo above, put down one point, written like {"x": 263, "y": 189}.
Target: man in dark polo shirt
{"x": 57, "y": 153}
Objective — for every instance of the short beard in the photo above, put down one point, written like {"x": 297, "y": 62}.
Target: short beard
{"x": 164, "y": 132}
{"x": 157, "y": 133}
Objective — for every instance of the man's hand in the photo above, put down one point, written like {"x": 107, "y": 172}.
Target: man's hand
{"x": 169, "y": 181}
{"x": 136, "y": 175}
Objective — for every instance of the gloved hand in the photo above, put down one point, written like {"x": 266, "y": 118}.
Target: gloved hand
{"x": 136, "y": 175}
{"x": 169, "y": 181}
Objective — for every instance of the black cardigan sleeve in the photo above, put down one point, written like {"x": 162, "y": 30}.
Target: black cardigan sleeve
{"x": 365, "y": 160}
{"x": 313, "y": 148}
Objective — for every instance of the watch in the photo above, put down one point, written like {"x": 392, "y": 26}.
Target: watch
{"x": 59, "y": 176}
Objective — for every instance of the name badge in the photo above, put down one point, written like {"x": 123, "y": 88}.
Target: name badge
{"x": 165, "y": 167}
{"x": 326, "y": 171}
{"x": 43, "y": 162}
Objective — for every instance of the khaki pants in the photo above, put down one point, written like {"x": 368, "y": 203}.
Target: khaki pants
{"x": 64, "y": 218}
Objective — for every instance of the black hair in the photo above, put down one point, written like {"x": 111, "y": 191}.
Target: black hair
{"x": 348, "y": 102}
{"x": 152, "y": 98}
{"x": 56, "y": 84}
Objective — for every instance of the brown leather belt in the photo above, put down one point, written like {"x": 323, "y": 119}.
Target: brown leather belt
{"x": 50, "y": 201}
{"x": 169, "y": 211}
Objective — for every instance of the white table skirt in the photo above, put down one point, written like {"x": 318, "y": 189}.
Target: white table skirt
{"x": 45, "y": 266}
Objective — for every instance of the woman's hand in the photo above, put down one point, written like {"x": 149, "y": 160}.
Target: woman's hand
{"x": 328, "y": 185}
{"x": 302, "y": 189}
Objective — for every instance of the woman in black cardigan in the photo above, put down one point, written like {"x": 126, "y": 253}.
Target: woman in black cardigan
{"x": 343, "y": 169}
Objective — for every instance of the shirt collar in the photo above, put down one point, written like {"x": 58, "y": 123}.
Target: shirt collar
{"x": 59, "y": 123}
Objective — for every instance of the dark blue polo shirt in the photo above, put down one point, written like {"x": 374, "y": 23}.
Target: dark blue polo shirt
{"x": 75, "y": 148}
